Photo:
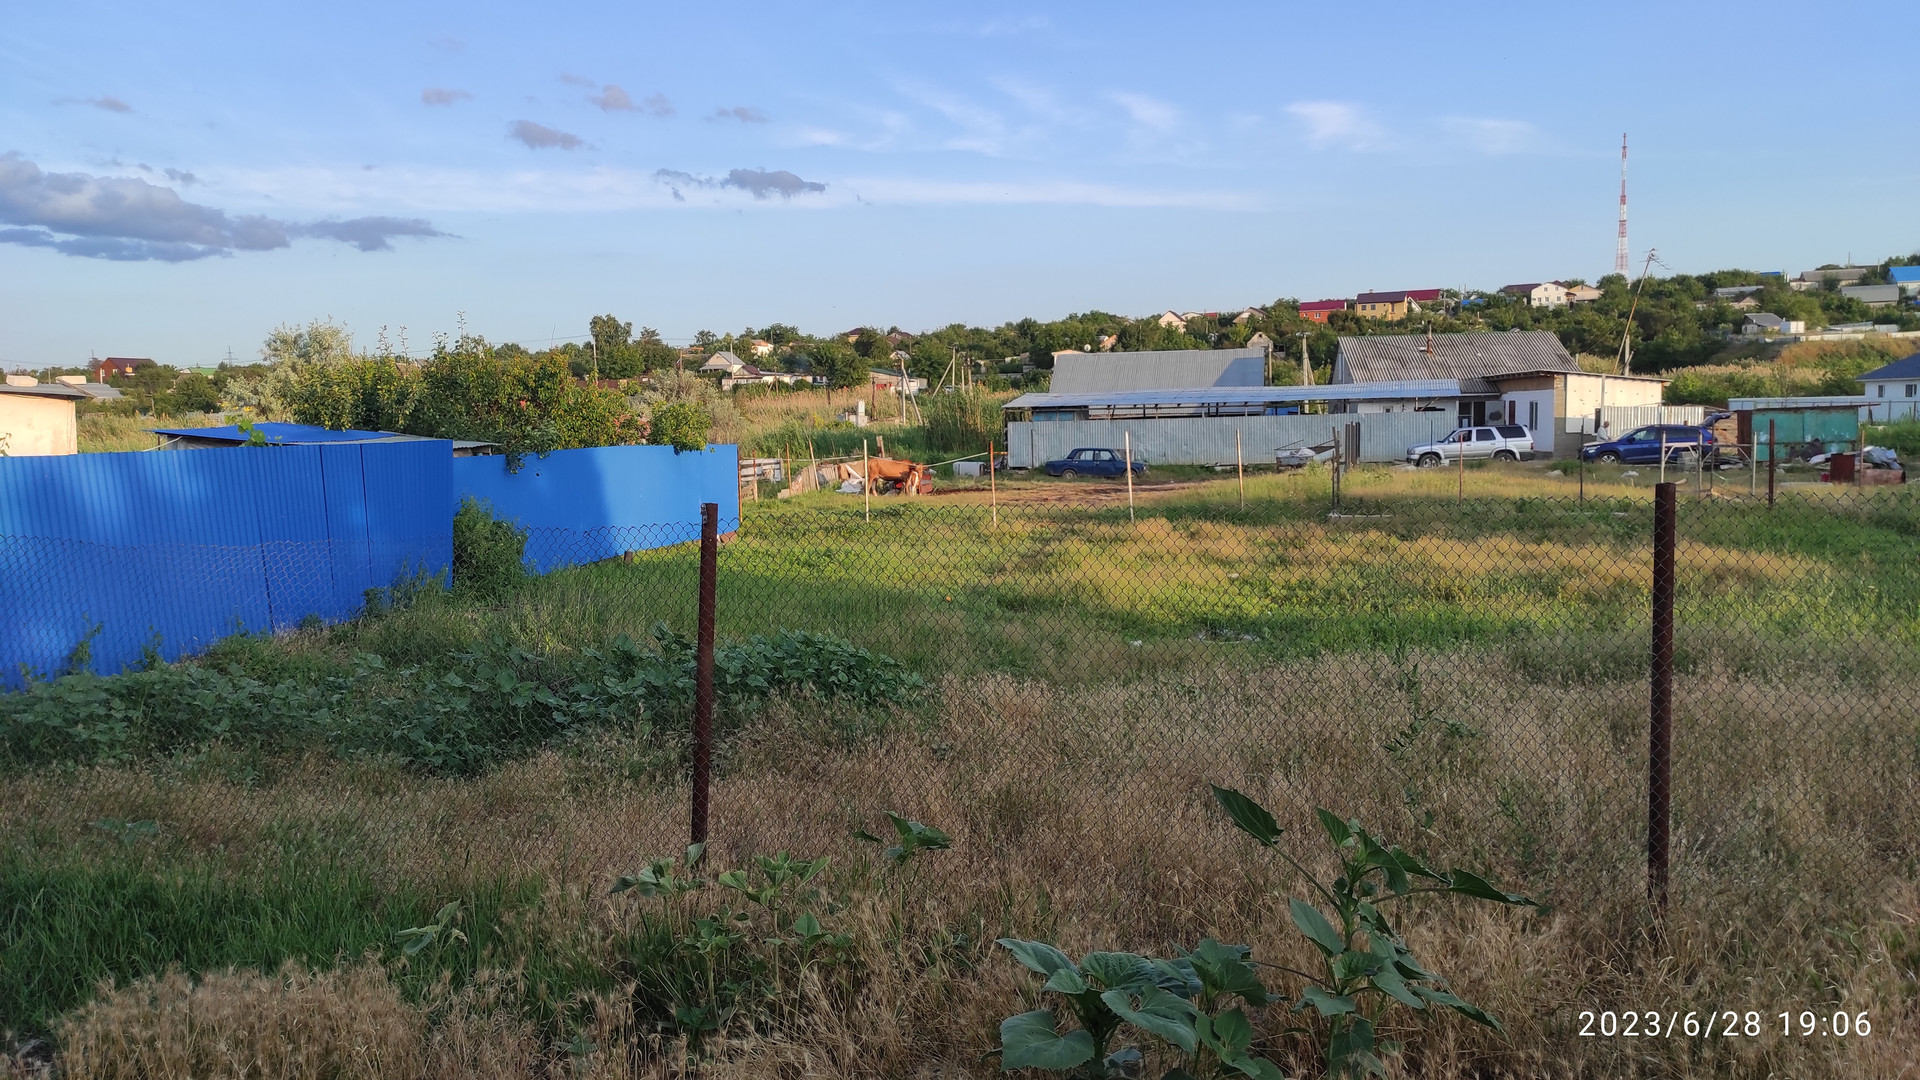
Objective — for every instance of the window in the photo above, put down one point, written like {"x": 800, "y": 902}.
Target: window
{"x": 1880, "y": 390}
{"x": 1533, "y": 415}
{"x": 1910, "y": 387}
{"x": 1513, "y": 431}
{"x": 1483, "y": 435}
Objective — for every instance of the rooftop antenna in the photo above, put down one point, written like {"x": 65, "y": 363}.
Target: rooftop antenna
{"x": 1621, "y": 263}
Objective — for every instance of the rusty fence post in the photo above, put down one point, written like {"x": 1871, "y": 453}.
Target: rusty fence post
{"x": 1773, "y": 455}
{"x": 703, "y": 668}
{"x": 1660, "y": 727}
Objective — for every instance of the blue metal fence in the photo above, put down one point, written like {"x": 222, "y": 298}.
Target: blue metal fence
{"x": 173, "y": 551}
{"x": 581, "y": 506}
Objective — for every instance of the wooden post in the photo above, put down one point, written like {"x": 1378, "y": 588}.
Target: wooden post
{"x": 866, "y": 478}
{"x": 993, "y": 486}
{"x": 703, "y": 668}
{"x": 1240, "y": 463}
{"x": 1660, "y": 711}
{"x": 1129, "y": 438}
{"x": 813, "y": 465}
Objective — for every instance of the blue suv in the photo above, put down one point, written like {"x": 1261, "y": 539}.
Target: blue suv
{"x": 1641, "y": 446}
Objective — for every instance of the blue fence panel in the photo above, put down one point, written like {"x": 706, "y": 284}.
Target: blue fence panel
{"x": 178, "y": 549}
{"x": 409, "y": 528}
{"x": 581, "y": 506}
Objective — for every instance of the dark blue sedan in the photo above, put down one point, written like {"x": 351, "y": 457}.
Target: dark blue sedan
{"x": 1642, "y": 446}
{"x": 1093, "y": 461}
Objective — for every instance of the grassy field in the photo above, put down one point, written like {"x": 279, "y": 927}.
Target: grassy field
{"x": 105, "y": 433}
{"x": 225, "y": 895}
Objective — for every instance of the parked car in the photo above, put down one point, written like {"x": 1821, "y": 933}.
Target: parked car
{"x": 1501, "y": 442}
{"x": 1093, "y": 461}
{"x": 1641, "y": 446}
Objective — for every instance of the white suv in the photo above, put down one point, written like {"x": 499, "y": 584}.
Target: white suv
{"x": 1501, "y": 442}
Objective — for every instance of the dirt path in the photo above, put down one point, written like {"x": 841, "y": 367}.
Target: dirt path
{"x": 1064, "y": 492}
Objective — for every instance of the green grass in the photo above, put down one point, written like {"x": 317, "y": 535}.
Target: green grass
{"x": 71, "y": 919}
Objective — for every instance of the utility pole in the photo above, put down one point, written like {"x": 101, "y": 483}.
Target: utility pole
{"x": 1626, "y": 332}
{"x": 1306, "y": 364}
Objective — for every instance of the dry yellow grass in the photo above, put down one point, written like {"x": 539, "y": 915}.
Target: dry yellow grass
{"x": 1080, "y": 815}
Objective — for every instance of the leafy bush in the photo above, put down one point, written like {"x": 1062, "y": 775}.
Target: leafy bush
{"x": 488, "y": 554}
{"x": 682, "y": 425}
{"x": 1188, "y": 1004}
{"x": 491, "y": 701}
{"x": 698, "y": 975}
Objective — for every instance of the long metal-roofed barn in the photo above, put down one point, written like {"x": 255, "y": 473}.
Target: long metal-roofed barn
{"x": 1521, "y": 377}
{"x": 1199, "y": 407}
{"x": 1080, "y": 373}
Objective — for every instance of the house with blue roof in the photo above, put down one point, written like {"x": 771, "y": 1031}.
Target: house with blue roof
{"x": 1907, "y": 277}
{"x": 1893, "y": 391}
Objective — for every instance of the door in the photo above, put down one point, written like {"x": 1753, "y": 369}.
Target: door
{"x": 1641, "y": 447}
{"x": 1483, "y": 443}
{"x": 1106, "y": 463}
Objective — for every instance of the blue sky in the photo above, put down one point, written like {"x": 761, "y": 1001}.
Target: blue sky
{"x": 175, "y": 184}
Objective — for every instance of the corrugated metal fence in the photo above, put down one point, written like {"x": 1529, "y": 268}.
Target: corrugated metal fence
{"x": 107, "y": 557}
{"x": 581, "y": 506}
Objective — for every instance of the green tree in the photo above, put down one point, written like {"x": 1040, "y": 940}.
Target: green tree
{"x": 839, "y": 365}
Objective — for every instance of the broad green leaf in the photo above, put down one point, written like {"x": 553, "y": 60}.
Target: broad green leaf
{"x": 734, "y": 879}
{"x": 1350, "y": 1052}
{"x": 1157, "y": 1013}
{"x": 1397, "y": 880}
{"x": 1471, "y": 1012}
{"x": 1257, "y": 1068}
{"x": 1469, "y": 884}
{"x": 1223, "y": 970}
{"x": 1324, "y": 1003}
{"x": 1232, "y": 1033}
{"x": 694, "y": 851}
{"x": 1336, "y": 828}
{"x": 1117, "y": 970}
{"x": 1125, "y": 1061}
{"x": 1037, "y": 955}
{"x": 1316, "y": 927}
{"x": 1028, "y": 1041}
{"x": 1250, "y": 816}
{"x": 1396, "y": 988}
{"x": 1413, "y": 866}
{"x": 1176, "y": 976}
{"x": 1355, "y": 963}
{"x": 1065, "y": 981}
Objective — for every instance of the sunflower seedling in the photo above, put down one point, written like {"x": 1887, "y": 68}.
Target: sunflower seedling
{"x": 1366, "y": 968}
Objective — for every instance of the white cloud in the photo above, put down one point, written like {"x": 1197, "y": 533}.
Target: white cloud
{"x": 1493, "y": 136}
{"x": 1150, "y": 113}
{"x": 1339, "y": 123}
{"x": 610, "y": 189}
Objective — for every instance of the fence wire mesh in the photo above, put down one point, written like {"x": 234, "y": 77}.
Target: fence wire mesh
{"x": 1056, "y": 686}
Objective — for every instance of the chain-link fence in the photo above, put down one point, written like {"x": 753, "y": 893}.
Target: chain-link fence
{"x": 1056, "y": 685}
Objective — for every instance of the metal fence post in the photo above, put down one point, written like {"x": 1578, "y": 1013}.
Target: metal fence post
{"x": 1660, "y": 727}
{"x": 1773, "y": 454}
{"x": 703, "y": 668}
